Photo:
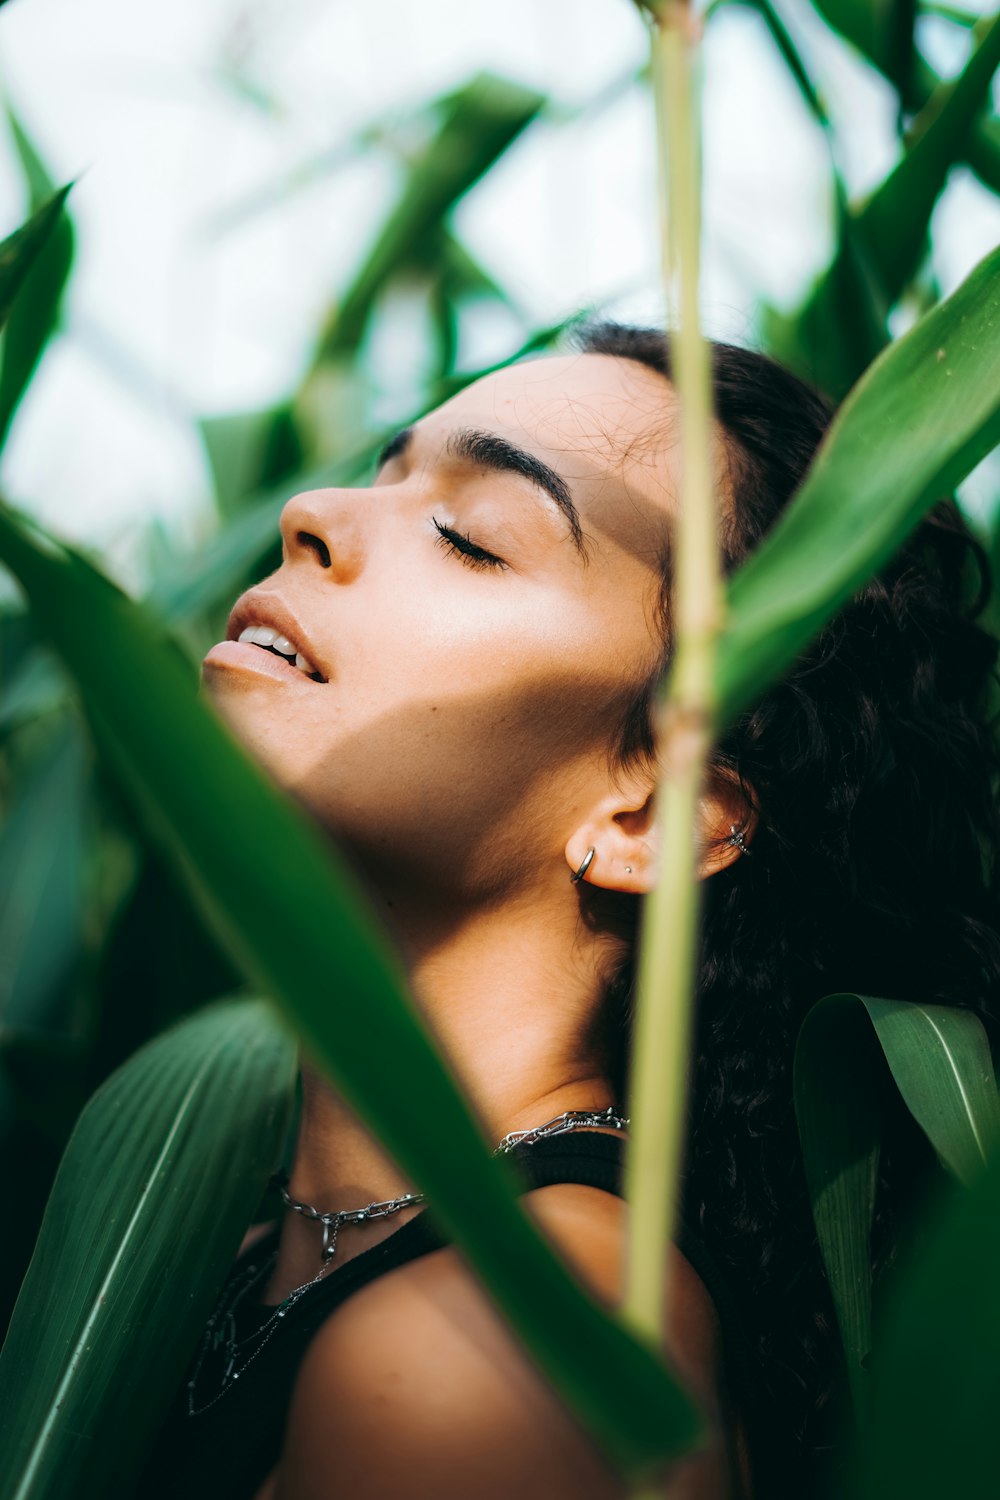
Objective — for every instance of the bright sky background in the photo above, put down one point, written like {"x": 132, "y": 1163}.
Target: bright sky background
{"x": 172, "y": 315}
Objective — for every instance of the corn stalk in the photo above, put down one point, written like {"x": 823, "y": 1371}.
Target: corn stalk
{"x": 685, "y": 711}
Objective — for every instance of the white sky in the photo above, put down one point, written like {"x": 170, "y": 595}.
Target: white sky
{"x": 171, "y": 317}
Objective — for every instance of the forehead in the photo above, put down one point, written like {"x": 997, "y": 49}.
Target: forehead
{"x": 606, "y": 425}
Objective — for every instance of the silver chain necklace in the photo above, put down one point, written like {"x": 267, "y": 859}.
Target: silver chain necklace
{"x": 221, "y": 1326}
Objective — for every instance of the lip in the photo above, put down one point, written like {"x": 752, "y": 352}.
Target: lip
{"x": 265, "y": 607}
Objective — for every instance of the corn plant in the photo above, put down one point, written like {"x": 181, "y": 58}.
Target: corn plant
{"x": 919, "y": 414}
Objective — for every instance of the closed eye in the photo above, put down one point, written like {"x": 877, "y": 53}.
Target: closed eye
{"x": 470, "y": 554}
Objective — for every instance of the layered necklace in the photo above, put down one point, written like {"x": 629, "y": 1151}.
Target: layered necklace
{"x": 220, "y": 1331}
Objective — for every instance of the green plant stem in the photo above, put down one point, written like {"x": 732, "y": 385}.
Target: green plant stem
{"x": 685, "y": 720}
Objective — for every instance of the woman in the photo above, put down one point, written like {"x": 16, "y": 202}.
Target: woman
{"x": 470, "y": 649}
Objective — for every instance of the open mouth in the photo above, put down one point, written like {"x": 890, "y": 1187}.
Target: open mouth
{"x": 268, "y": 639}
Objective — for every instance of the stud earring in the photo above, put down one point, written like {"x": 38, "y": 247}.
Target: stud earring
{"x": 628, "y": 869}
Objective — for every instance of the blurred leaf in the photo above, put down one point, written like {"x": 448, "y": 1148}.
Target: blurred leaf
{"x": 842, "y": 325}
{"x": 31, "y": 688}
{"x": 789, "y": 52}
{"x": 121, "y": 1284}
{"x": 894, "y": 221}
{"x": 918, "y": 421}
{"x": 221, "y": 566}
{"x": 982, "y": 151}
{"x": 881, "y": 29}
{"x": 982, "y": 144}
{"x": 935, "y": 1386}
{"x": 156, "y": 945}
{"x": 34, "y": 316}
{"x": 250, "y": 451}
{"x": 278, "y": 895}
{"x": 20, "y": 250}
{"x": 478, "y": 124}
{"x": 958, "y": 14}
{"x": 41, "y": 882}
{"x": 939, "y": 1060}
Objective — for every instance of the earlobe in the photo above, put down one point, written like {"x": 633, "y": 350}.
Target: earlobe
{"x": 616, "y": 848}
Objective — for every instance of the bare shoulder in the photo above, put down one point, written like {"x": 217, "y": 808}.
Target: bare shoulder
{"x": 416, "y": 1388}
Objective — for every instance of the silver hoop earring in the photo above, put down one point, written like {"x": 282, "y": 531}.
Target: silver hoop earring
{"x": 736, "y": 837}
{"x": 585, "y": 865}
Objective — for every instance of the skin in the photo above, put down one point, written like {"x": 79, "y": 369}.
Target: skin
{"x": 460, "y": 753}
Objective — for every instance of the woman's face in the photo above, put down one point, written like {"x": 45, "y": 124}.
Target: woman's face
{"x": 470, "y": 701}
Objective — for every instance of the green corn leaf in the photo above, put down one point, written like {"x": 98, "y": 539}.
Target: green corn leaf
{"x": 34, "y": 316}
{"x": 935, "y": 1374}
{"x": 162, "y": 1174}
{"x": 917, "y": 422}
{"x": 939, "y": 1060}
{"x": 282, "y": 904}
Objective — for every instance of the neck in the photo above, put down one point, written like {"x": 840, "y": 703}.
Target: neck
{"x": 508, "y": 995}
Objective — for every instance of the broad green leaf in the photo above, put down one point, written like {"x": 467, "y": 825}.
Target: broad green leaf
{"x": 42, "y": 846}
{"x": 938, "y": 1058}
{"x": 281, "y": 901}
{"x": 916, "y": 423}
{"x": 935, "y": 1374}
{"x": 122, "y": 1281}
{"x": 479, "y": 123}
{"x": 34, "y": 316}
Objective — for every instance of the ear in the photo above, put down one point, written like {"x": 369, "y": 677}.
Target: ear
{"x": 623, "y": 832}
{"x": 723, "y": 810}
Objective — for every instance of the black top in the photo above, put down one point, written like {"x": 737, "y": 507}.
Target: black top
{"x": 226, "y": 1450}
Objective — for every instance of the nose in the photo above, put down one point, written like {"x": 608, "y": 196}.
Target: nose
{"x": 325, "y": 527}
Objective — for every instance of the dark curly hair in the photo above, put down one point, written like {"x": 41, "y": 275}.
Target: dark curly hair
{"x": 872, "y": 770}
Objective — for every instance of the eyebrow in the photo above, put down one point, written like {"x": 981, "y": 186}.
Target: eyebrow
{"x": 488, "y": 450}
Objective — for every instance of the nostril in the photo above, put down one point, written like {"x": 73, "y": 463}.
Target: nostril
{"x": 319, "y": 546}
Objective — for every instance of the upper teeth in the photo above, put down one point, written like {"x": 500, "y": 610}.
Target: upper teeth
{"x": 263, "y": 635}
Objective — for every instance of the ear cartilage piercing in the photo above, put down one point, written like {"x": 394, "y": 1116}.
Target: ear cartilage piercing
{"x": 736, "y": 837}
{"x": 585, "y": 864}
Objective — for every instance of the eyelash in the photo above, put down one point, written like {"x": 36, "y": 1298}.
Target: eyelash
{"x": 465, "y": 548}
